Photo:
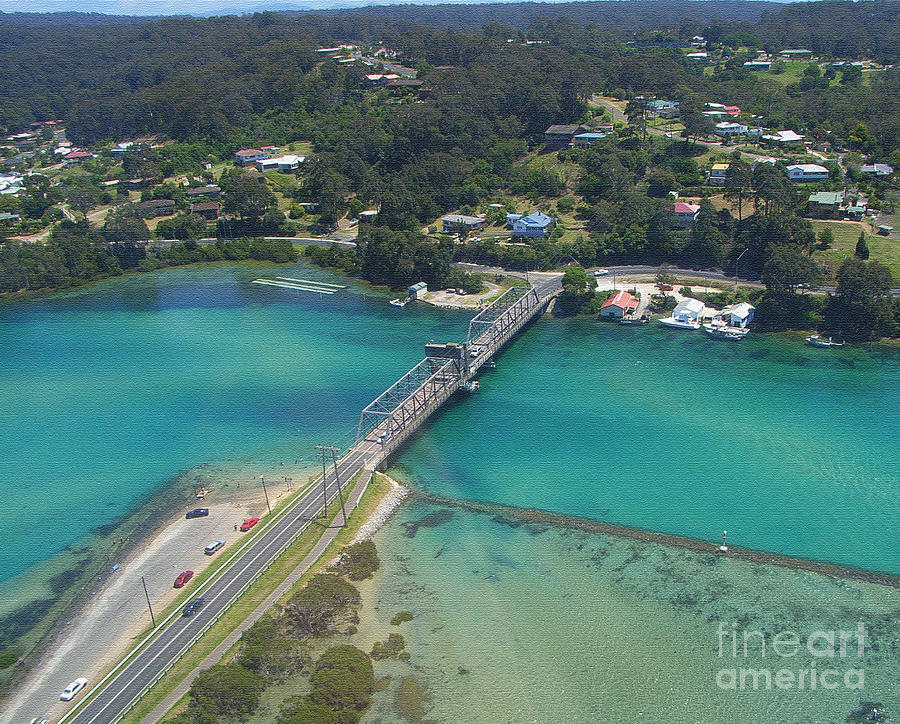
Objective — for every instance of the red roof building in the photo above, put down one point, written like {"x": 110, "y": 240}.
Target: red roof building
{"x": 618, "y": 305}
{"x": 732, "y": 110}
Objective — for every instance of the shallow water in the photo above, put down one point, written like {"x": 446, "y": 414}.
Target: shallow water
{"x": 514, "y": 623}
{"x": 792, "y": 449}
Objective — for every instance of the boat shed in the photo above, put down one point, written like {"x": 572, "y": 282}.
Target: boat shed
{"x": 738, "y": 315}
{"x": 418, "y": 290}
{"x": 688, "y": 310}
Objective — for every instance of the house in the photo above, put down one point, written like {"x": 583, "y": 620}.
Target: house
{"x": 686, "y": 213}
{"x": 877, "y": 169}
{"x": 783, "y": 138}
{"x": 803, "y": 172}
{"x": 698, "y": 41}
{"x": 156, "y": 207}
{"x": 738, "y": 315}
{"x": 688, "y": 311}
{"x": 248, "y": 156}
{"x": 663, "y": 108}
{"x": 10, "y": 218}
{"x": 702, "y": 56}
{"x": 532, "y": 226}
{"x": 267, "y": 164}
{"x": 560, "y": 136}
{"x": 768, "y": 160}
{"x": 255, "y": 175}
{"x": 208, "y": 192}
{"x": 718, "y": 174}
{"x": 209, "y": 210}
{"x": 854, "y": 213}
{"x": 462, "y": 224}
{"x": 76, "y": 157}
{"x": 118, "y": 151}
{"x": 825, "y": 204}
{"x": 729, "y": 128}
{"x": 269, "y": 149}
{"x": 584, "y": 140}
{"x": 758, "y": 65}
{"x": 289, "y": 162}
{"x": 795, "y": 53}
{"x": 417, "y": 290}
{"x": 618, "y": 305}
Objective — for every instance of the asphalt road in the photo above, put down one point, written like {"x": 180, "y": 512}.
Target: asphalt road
{"x": 131, "y": 680}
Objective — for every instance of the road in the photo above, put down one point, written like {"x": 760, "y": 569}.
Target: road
{"x": 177, "y": 633}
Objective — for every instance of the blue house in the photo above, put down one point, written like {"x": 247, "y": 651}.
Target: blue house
{"x": 532, "y": 226}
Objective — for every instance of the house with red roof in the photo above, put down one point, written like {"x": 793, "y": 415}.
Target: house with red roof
{"x": 618, "y": 305}
{"x": 686, "y": 213}
{"x": 77, "y": 156}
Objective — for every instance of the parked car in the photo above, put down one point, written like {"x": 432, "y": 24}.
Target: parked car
{"x": 71, "y": 691}
{"x": 249, "y": 523}
{"x": 601, "y": 273}
{"x": 183, "y": 578}
{"x": 213, "y": 547}
{"x": 39, "y": 720}
{"x": 197, "y": 513}
{"x": 193, "y": 607}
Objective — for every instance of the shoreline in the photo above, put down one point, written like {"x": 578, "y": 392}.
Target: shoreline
{"x": 526, "y": 516}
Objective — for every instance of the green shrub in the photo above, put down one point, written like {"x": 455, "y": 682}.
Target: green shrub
{"x": 359, "y": 561}
{"x": 401, "y": 617}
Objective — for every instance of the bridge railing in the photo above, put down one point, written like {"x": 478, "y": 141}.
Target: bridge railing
{"x": 488, "y": 317}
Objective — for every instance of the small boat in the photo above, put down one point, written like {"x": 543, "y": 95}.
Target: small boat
{"x": 634, "y": 321}
{"x": 470, "y": 386}
{"x": 721, "y": 331}
{"x": 817, "y": 341}
{"x": 680, "y": 324}
{"x": 490, "y": 364}
{"x": 398, "y": 303}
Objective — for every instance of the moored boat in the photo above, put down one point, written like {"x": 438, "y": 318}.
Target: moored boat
{"x": 680, "y": 323}
{"x": 720, "y": 331}
{"x": 398, "y": 303}
{"x": 817, "y": 341}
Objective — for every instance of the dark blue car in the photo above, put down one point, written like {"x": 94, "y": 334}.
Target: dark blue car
{"x": 193, "y": 607}
{"x": 197, "y": 513}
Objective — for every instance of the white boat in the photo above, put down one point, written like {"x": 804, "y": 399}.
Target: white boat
{"x": 470, "y": 386}
{"x": 817, "y": 341}
{"x": 722, "y": 331}
{"x": 398, "y": 303}
{"x": 680, "y": 323}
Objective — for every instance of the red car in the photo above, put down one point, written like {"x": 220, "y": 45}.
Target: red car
{"x": 183, "y": 578}
{"x": 249, "y": 523}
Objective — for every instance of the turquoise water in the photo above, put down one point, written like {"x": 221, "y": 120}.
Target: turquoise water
{"x": 516, "y": 623}
{"x": 110, "y": 391}
{"x": 790, "y": 448}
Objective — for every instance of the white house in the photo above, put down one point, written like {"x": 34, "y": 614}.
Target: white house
{"x": 284, "y": 164}
{"x": 688, "y": 311}
{"x": 532, "y": 226}
{"x": 802, "y": 172}
{"x": 702, "y": 55}
{"x": 729, "y": 128}
{"x": 783, "y": 138}
{"x": 738, "y": 315}
{"x": 877, "y": 169}
{"x": 462, "y": 224}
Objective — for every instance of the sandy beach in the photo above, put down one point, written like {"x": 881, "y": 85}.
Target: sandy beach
{"x": 116, "y": 615}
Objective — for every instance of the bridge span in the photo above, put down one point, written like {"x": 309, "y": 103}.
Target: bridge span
{"x": 383, "y": 426}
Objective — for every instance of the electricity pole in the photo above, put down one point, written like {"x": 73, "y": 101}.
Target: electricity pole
{"x": 329, "y": 449}
{"x": 321, "y": 454}
{"x": 152, "y": 617}
{"x": 265, "y": 492}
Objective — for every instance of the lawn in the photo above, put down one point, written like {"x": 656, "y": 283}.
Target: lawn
{"x": 846, "y": 233}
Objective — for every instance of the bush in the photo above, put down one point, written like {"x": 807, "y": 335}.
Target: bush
{"x": 344, "y": 682}
{"x": 317, "y": 608}
{"x": 267, "y": 652}
{"x": 401, "y": 617}
{"x": 359, "y": 561}
{"x": 226, "y": 690}
{"x": 387, "y": 649}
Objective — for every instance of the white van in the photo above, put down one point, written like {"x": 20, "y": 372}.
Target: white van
{"x": 213, "y": 547}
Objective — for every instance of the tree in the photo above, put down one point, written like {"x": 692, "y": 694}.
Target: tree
{"x": 577, "y": 289}
{"x": 737, "y": 184}
{"x": 125, "y": 224}
{"x": 787, "y": 267}
{"x": 826, "y": 238}
{"x": 861, "y": 309}
{"x": 227, "y": 690}
{"x": 183, "y": 226}
{"x": 862, "y": 248}
{"x": 343, "y": 681}
{"x": 316, "y": 609}
{"x": 851, "y": 74}
{"x": 245, "y": 196}
{"x": 664, "y": 276}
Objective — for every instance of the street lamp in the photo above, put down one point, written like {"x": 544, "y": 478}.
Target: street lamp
{"x": 738, "y": 259}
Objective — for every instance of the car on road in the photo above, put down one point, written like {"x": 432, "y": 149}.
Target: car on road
{"x": 601, "y": 273}
{"x": 249, "y": 523}
{"x": 183, "y": 578}
{"x": 193, "y": 606}
{"x": 71, "y": 691}
{"x": 197, "y": 513}
{"x": 213, "y": 547}
{"x": 474, "y": 352}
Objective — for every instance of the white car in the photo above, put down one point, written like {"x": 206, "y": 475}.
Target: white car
{"x": 71, "y": 691}
{"x": 474, "y": 352}
{"x": 601, "y": 273}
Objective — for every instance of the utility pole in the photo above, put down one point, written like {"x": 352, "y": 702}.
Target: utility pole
{"x": 152, "y": 617}
{"x": 330, "y": 449}
{"x": 266, "y": 493}
{"x": 321, "y": 454}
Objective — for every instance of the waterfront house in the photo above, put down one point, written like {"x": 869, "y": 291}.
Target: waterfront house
{"x": 718, "y": 174}
{"x": 462, "y": 224}
{"x": 825, "y": 204}
{"x": 417, "y": 290}
{"x": 532, "y": 226}
{"x": 156, "y": 207}
{"x": 688, "y": 311}
{"x": 805, "y": 172}
{"x": 686, "y": 213}
{"x": 248, "y": 156}
{"x": 738, "y": 315}
{"x": 209, "y": 210}
{"x": 618, "y": 305}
